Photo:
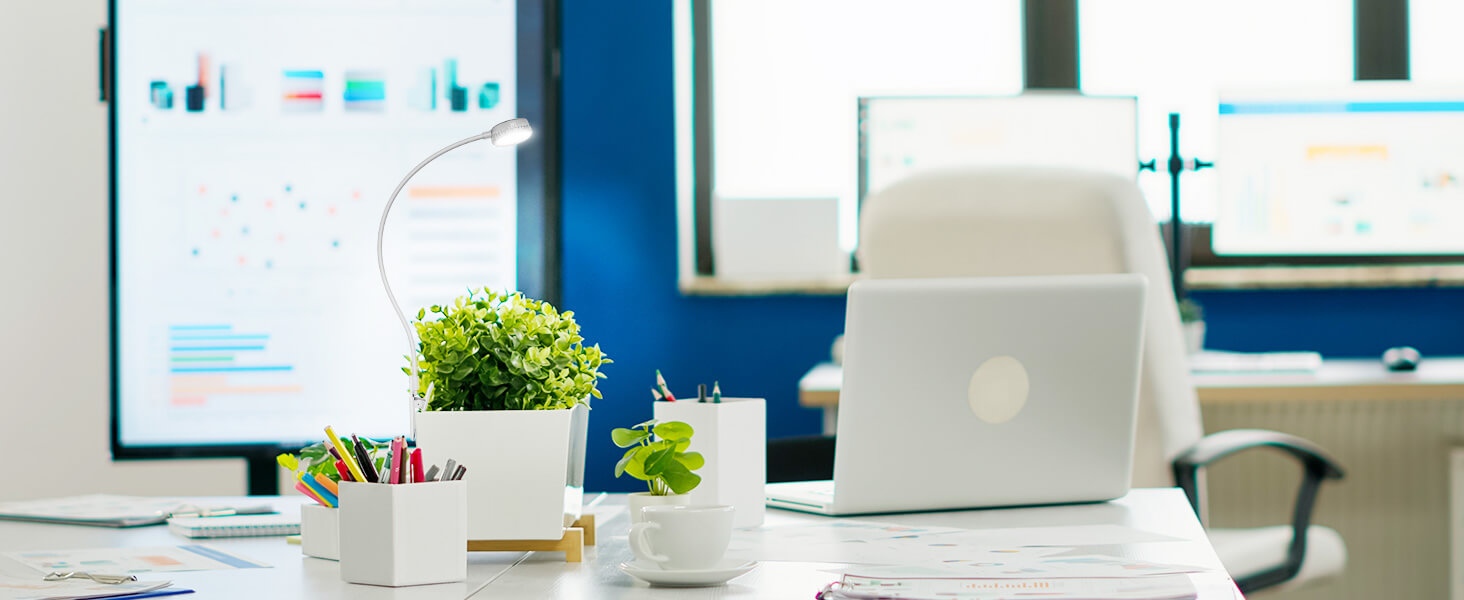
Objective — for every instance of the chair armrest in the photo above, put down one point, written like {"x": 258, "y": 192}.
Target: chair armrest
{"x": 1317, "y": 466}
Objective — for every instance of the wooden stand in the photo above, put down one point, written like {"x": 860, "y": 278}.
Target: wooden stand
{"x": 576, "y": 537}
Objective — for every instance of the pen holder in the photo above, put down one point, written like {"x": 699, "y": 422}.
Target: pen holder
{"x": 320, "y": 531}
{"x": 405, "y": 534}
{"x": 733, "y": 438}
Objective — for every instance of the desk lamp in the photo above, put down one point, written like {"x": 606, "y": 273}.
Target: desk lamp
{"x": 508, "y": 133}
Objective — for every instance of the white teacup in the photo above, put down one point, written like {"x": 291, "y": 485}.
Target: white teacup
{"x": 680, "y": 538}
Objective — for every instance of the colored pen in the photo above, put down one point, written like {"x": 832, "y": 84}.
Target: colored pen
{"x": 656, "y": 394}
{"x": 330, "y": 486}
{"x": 417, "y": 465}
{"x": 716, "y": 393}
{"x": 343, "y": 470}
{"x": 447, "y": 469}
{"x": 406, "y": 460}
{"x": 368, "y": 469}
{"x": 661, "y": 381}
{"x": 300, "y": 485}
{"x": 355, "y": 469}
{"x": 701, "y": 392}
{"x": 319, "y": 490}
{"x": 458, "y": 474}
{"x": 394, "y": 470}
{"x": 432, "y": 474}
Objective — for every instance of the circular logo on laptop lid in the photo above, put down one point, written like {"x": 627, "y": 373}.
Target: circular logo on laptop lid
{"x": 998, "y": 389}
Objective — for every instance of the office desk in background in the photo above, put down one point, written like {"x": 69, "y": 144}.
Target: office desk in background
{"x": 1394, "y": 433}
{"x": 494, "y": 575}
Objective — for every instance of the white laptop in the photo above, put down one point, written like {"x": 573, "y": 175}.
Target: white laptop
{"x": 968, "y": 393}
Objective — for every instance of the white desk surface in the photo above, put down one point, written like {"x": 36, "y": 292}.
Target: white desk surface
{"x": 546, "y": 575}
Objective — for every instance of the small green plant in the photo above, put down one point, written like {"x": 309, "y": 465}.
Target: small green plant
{"x": 504, "y": 351}
{"x": 315, "y": 459}
{"x": 658, "y": 456}
{"x": 1190, "y": 311}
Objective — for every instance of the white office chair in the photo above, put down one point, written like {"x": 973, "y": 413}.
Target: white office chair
{"x": 980, "y": 222}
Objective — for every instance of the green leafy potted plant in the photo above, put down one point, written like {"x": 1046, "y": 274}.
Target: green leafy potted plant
{"x": 657, "y": 455}
{"x": 507, "y": 382}
{"x": 1192, "y": 320}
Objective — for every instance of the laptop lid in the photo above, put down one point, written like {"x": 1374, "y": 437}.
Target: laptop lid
{"x": 964, "y": 393}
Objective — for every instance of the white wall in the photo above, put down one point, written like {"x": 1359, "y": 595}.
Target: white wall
{"x": 54, "y": 382}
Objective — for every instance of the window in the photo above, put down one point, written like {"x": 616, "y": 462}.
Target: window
{"x": 1434, "y": 41}
{"x": 769, "y": 110}
{"x": 1176, "y": 55}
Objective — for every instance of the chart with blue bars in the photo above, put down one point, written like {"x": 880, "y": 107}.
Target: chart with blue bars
{"x": 208, "y": 361}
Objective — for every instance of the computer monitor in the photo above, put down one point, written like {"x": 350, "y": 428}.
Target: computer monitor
{"x": 899, "y": 136}
{"x": 1365, "y": 171}
{"x": 253, "y": 147}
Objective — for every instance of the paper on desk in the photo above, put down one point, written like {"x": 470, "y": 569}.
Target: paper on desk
{"x": 16, "y": 588}
{"x": 197, "y": 557}
{"x": 106, "y": 510}
{"x": 1088, "y": 566}
{"x": 870, "y": 542}
{"x": 1172, "y": 587}
{"x": 1081, "y": 535}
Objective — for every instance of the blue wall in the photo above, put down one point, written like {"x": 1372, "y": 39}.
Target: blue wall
{"x": 620, "y": 245}
{"x": 620, "y": 260}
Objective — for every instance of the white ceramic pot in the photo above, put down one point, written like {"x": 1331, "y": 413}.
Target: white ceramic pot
{"x": 641, "y": 500}
{"x": 1194, "y": 336}
{"x": 525, "y": 468}
{"x": 320, "y": 531}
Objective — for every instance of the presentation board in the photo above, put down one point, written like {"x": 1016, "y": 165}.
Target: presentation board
{"x": 254, "y": 146}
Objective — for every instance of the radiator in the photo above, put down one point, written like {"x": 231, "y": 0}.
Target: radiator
{"x": 1393, "y": 508}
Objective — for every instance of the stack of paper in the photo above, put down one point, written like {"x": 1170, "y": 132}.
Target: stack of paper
{"x": 854, "y": 587}
{"x": 112, "y": 511}
{"x": 16, "y": 588}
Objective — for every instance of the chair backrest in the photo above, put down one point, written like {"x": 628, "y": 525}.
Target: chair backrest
{"x": 985, "y": 222}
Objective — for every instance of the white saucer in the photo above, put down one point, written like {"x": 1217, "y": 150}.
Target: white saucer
{"x": 652, "y": 573}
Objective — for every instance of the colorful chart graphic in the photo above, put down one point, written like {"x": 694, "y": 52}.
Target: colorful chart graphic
{"x": 160, "y": 95}
{"x": 234, "y": 90}
{"x": 303, "y": 91}
{"x": 365, "y": 91}
{"x": 488, "y": 95}
{"x": 195, "y": 95}
{"x": 457, "y": 96}
{"x": 214, "y": 360}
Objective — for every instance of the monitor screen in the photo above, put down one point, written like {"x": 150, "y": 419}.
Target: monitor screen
{"x": 901, "y": 136}
{"x": 1370, "y": 169}
{"x": 254, "y": 146}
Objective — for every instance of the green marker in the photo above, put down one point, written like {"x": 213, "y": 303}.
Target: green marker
{"x": 716, "y": 393}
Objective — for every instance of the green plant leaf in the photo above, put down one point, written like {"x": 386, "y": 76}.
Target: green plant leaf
{"x": 646, "y": 424}
{"x": 673, "y": 430}
{"x": 691, "y": 460}
{"x": 636, "y": 467}
{"x": 679, "y": 479}
{"x": 624, "y": 461}
{"x": 659, "y": 458}
{"x": 627, "y": 437}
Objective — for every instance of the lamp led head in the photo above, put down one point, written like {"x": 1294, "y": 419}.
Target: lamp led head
{"x": 511, "y": 132}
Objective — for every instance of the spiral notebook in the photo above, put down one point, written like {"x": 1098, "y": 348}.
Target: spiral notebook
{"x": 235, "y": 526}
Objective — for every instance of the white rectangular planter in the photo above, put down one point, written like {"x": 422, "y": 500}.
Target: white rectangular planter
{"x": 732, "y": 436}
{"x": 406, "y": 534}
{"x": 320, "y": 531}
{"x": 525, "y": 467}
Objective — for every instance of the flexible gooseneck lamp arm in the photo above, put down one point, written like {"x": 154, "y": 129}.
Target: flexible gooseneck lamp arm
{"x": 508, "y": 133}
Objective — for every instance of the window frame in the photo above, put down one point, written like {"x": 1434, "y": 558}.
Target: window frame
{"x": 1051, "y": 61}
